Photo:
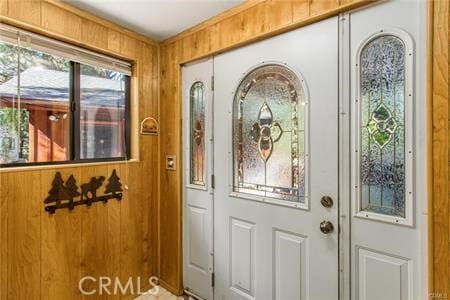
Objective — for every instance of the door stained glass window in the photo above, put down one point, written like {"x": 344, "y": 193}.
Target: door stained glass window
{"x": 382, "y": 126}
{"x": 269, "y": 134}
{"x": 197, "y": 138}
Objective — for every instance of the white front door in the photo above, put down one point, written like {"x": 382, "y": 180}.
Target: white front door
{"x": 197, "y": 165}
{"x": 275, "y": 159}
{"x": 387, "y": 44}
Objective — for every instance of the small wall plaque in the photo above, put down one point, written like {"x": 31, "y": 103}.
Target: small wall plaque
{"x": 149, "y": 126}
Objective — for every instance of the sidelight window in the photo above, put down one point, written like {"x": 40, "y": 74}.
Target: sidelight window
{"x": 385, "y": 148}
{"x": 269, "y": 135}
{"x": 197, "y": 139}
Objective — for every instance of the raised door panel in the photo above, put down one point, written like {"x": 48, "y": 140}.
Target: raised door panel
{"x": 380, "y": 276}
{"x": 198, "y": 243}
{"x": 290, "y": 266}
{"x": 242, "y": 257}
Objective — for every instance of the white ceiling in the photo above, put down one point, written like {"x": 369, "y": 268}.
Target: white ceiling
{"x": 157, "y": 19}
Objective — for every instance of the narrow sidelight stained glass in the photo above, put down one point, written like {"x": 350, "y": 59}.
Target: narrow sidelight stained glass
{"x": 268, "y": 134}
{"x": 382, "y": 126}
{"x": 197, "y": 113}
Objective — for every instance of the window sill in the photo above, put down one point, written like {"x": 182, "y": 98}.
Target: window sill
{"x": 66, "y": 165}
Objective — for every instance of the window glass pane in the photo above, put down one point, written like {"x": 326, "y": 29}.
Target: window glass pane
{"x": 102, "y": 113}
{"x": 382, "y": 94}
{"x": 268, "y": 138}
{"x": 197, "y": 99}
{"x": 34, "y": 106}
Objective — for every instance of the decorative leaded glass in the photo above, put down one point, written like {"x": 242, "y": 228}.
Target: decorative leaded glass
{"x": 382, "y": 131}
{"x": 268, "y": 134}
{"x": 197, "y": 113}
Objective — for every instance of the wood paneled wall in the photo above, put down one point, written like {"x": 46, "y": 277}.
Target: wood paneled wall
{"x": 438, "y": 147}
{"x": 251, "y": 21}
{"x": 44, "y": 256}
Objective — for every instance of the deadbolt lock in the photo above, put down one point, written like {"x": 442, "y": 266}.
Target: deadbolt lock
{"x": 326, "y": 201}
{"x": 326, "y": 227}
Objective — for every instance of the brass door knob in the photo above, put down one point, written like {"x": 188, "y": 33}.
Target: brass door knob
{"x": 326, "y": 227}
{"x": 326, "y": 201}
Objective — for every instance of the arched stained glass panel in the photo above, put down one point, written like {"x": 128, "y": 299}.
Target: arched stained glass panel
{"x": 382, "y": 126}
{"x": 269, "y": 134}
{"x": 197, "y": 138}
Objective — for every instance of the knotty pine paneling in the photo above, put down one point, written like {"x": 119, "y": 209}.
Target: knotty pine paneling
{"x": 61, "y": 250}
{"x": 113, "y": 40}
{"x": 318, "y": 6}
{"x": 43, "y": 256}
{"x": 279, "y": 13}
{"x": 58, "y": 20}
{"x": 170, "y": 187}
{"x": 250, "y": 21}
{"x": 27, "y": 11}
{"x": 439, "y": 166}
{"x": 95, "y": 34}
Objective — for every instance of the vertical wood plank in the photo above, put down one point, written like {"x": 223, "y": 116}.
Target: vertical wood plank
{"x": 148, "y": 169}
{"x": 212, "y": 38}
{"x": 188, "y": 43}
{"x": 280, "y": 13}
{"x": 22, "y": 191}
{"x": 112, "y": 232}
{"x": 440, "y": 147}
{"x": 61, "y": 21}
{"x": 94, "y": 34}
{"x": 202, "y": 43}
{"x": 131, "y": 225}
{"x": 113, "y": 40}
{"x": 28, "y": 11}
{"x": 3, "y": 10}
{"x": 321, "y": 6}
{"x": 170, "y": 210}
{"x": 61, "y": 245}
{"x": 254, "y": 21}
{"x": 4, "y": 240}
{"x": 129, "y": 46}
{"x": 300, "y": 10}
{"x": 155, "y": 158}
{"x": 94, "y": 227}
{"x": 229, "y": 31}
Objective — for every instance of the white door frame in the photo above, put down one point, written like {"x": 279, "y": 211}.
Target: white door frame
{"x": 344, "y": 159}
{"x": 344, "y": 136}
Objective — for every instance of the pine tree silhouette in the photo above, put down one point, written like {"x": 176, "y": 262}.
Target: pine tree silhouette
{"x": 72, "y": 190}
{"x": 114, "y": 186}
{"x": 58, "y": 191}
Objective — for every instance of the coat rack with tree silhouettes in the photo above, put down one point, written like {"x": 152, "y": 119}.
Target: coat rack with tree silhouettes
{"x": 65, "y": 195}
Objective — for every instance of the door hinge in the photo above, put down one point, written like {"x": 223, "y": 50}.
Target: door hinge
{"x": 213, "y": 181}
{"x": 73, "y": 106}
{"x": 212, "y": 279}
{"x": 212, "y": 83}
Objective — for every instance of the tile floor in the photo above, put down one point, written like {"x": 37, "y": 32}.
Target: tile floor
{"x": 162, "y": 294}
